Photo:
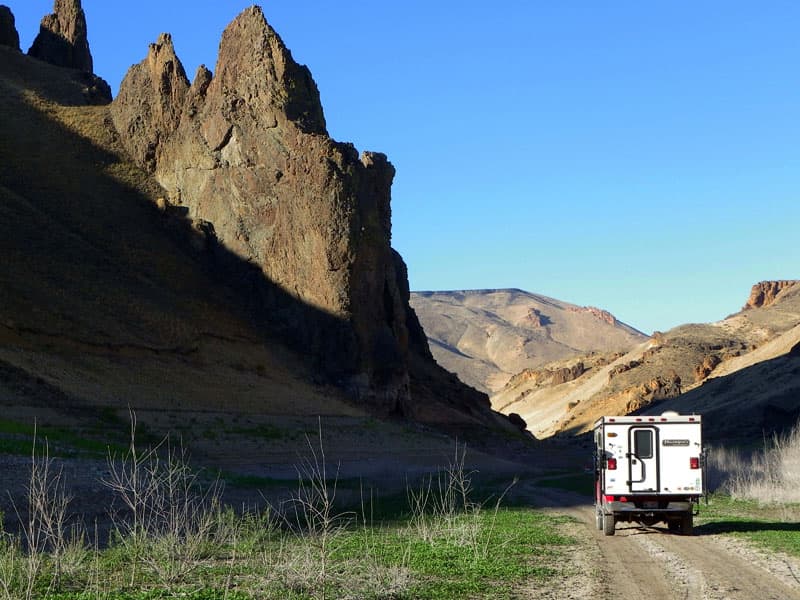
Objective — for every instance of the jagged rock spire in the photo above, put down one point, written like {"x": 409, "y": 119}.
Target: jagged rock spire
{"x": 247, "y": 150}
{"x": 8, "y": 30}
{"x": 150, "y": 101}
{"x": 62, "y": 38}
{"x": 252, "y": 55}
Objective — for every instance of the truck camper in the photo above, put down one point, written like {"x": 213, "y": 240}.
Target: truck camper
{"x": 648, "y": 469}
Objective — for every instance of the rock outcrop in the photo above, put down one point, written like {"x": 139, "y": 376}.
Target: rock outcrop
{"x": 597, "y": 313}
{"x": 8, "y": 30}
{"x": 536, "y": 319}
{"x": 63, "y": 41}
{"x": 151, "y": 99}
{"x": 704, "y": 369}
{"x": 764, "y": 293}
{"x": 62, "y": 38}
{"x": 548, "y": 377}
{"x": 246, "y": 149}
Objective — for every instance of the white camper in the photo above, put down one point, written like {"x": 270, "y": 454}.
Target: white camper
{"x": 648, "y": 469}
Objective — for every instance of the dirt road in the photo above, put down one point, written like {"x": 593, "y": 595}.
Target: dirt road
{"x": 649, "y": 562}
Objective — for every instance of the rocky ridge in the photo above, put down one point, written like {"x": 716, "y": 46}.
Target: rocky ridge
{"x": 296, "y": 266}
{"x": 598, "y": 313}
{"x": 63, "y": 42}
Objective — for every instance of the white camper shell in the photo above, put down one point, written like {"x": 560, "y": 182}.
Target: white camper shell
{"x": 648, "y": 469}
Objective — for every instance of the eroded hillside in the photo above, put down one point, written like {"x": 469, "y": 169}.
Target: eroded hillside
{"x": 743, "y": 367}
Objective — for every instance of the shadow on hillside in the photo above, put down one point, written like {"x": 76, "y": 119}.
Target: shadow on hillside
{"x": 64, "y": 86}
{"x": 90, "y": 256}
{"x": 741, "y": 406}
{"x": 744, "y": 526}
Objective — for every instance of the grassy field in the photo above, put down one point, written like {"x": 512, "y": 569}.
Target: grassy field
{"x": 244, "y": 557}
{"x": 172, "y": 538}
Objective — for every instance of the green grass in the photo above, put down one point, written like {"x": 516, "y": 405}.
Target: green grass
{"x": 510, "y": 546}
{"x": 772, "y": 526}
{"x": 17, "y": 438}
{"x": 446, "y": 547}
{"x": 485, "y": 553}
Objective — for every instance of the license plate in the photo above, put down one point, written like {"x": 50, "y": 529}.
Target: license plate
{"x": 651, "y": 504}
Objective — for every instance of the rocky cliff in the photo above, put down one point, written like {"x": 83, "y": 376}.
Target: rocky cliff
{"x": 246, "y": 150}
{"x": 764, "y": 293}
{"x": 244, "y": 262}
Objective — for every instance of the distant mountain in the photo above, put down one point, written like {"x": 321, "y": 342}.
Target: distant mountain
{"x": 487, "y": 336}
{"x": 742, "y": 372}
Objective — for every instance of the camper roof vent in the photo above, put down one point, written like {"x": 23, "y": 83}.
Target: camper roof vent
{"x": 670, "y": 413}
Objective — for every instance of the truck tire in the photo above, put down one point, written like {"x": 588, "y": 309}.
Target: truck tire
{"x": 608, "y": 524}
{"x": 674, "y": 525}
{"x": 687, "y": 526}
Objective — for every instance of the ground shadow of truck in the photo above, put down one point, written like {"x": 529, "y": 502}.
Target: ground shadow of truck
{"x": 744, "y": 526}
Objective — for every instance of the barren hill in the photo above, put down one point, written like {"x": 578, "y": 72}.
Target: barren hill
{"x": 486, "y": 336}
{"x": 741, "y": 371}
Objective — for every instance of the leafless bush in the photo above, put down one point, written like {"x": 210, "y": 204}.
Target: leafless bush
{"x": 168, "y": 519}
{"x": 437, "y": 504}
{"x": 313, "y": 511}
{"x": 443, "y": 509}
{"x": 771, "y": 474}
{"x": 48, "y": 546}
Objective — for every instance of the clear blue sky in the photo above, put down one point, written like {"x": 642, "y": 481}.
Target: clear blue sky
{"x": 642, "y": 157}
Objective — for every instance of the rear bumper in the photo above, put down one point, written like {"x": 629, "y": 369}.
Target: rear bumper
{"x": 617, "y": 507}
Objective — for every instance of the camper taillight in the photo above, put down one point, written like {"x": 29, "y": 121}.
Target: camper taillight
{"x": 694, "y": 462}
{"x": 611, "y": 464}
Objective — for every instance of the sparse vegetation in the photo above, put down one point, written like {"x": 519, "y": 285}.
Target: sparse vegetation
{"x": 768, "y": 475}
{"x": 758, "y": 493}
{"x": 15, "y": 439}
{"x": 773, "y": 526}
{"x": 172, "y": 538}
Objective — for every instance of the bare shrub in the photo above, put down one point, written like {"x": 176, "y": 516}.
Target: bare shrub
{"x": 771, "y": 474}
{"x": 437, "y": 504}
{"x": 312, "y": 511}
{"x": 169, "y": 518}
{"x": 48, "y": 546}
{"x": 442, "y": 509}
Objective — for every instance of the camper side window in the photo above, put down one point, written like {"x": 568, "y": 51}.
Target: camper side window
{"x": 643, "y": 443}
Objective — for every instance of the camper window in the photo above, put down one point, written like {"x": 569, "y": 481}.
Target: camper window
{"x": 643, "y": 443}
